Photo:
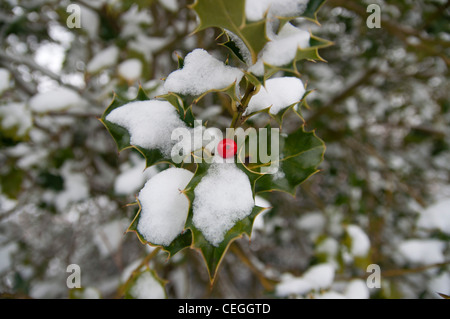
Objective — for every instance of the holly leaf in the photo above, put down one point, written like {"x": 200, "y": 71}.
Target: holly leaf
{"x": 311, "y": 9}
{"x": 300, "y": 153}
{"x": 211, "y": 254}
{"x": 229, "y": 15}
{"x": 121, "y": 135}
{"x": 310, "y": 53}
{"x": 179, "y": 243}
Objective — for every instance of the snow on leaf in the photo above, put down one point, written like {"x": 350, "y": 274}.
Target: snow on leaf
{"x": 222, "y": 210}
{"x": 164, "y": 208}
{"x": 278, "y": 93}
{"x": 285, "y": 49}
{"x": 202, "y": 73}
{"x": 145, "y": 125}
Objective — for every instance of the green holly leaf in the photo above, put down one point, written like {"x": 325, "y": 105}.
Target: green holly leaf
{"x": 179, "y": 243}
{"x": 184, "y": 108}
{"x": 300, "y": 153}
{"x": 122, "y": 137}
{"x": 310, "y": 53}
{"x": 213, "y": 255}
{"x": 311, "y": 9}
{"x": 230, "y": 15}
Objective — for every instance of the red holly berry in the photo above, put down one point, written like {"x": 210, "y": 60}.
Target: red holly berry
{"x": 227, "y": 148}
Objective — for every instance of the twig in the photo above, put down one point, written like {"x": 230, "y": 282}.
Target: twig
{"x": 121, "y": 290}
{"x": 267, "y": 283}
{"x": 237, "y": 118}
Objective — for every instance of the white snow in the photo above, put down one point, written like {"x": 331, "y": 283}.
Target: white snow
{"x": 317, "y": 277}
{"x": 131, "y": 179}
{"x": 90, "y": 21}
{"x": 222, "y": 198}
{"x": 147, "y": 45}
{"x": 4, "y": 80}
{"x": 201, "y": 73}
{"x": 130, "y": 69}
{"x": 290, "y": 285}
{"x": 171, "y": 5}
{"x": 16, "y": 116}
{"x": 76, "y": 187}
{"x": 278, "y": 93}
{"x": 436, "y": 216}
{"x": 91, "y": 293}
{"x": 103, "y": 59}
{"x": 108, "y": 237}
{"x": 422, "y": 251}
{"x": 320, "y": 276}
{"x": 282, "y": 48}
{"x": 328, "y": 246}
{"x": 258, "y": 223}
{"x": 357, "y": 289}
{"x": 51, "y": 56}
{"x": 5, "y": 256}
{"x": 147, "y": 287}
{"x": 360, "y": 242}
{"x": 164, "y": 208}
{"x": 257, "y": 9}
{"x": 150, "y": 123}
{"x": 440, "y": 284}
{"x": 56, "y": 100}
{"x": 133, "y": 19}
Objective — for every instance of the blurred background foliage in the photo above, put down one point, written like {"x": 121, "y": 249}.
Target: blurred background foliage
{"x": 381, "y": 104}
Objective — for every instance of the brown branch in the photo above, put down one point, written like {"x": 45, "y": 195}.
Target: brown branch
{"x": 267, "y": 283}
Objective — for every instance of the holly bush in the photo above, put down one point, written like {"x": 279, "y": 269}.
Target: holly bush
{"x": 220, "y": 209}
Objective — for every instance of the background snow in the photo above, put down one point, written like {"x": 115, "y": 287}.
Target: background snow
{"x": 4, "y": 80}
{"x": 147, "y": 287}
{"x": 422, "y": 251}
{"x": 436, "y": 216}
{"x": 16, "y": 116}
{"x": 132, "y": 178}
{"x": 130, "y": 69}
{"x": 317, "y": 277}
{"x": 360, "y": 242}
{"x": 103, "y": 59}
{"x": 58, "y": 99}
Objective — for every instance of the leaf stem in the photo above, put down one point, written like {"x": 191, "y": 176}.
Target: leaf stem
{"x": 237, "y": 118}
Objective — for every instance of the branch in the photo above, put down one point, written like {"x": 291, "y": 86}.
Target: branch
{"x": 400, "y": 31}
{"x": 267, "y": 283}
